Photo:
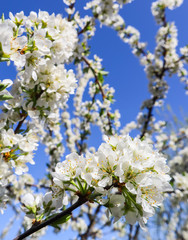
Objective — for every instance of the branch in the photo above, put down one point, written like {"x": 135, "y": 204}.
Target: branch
{"x": 80, "y": 145}
{"x": 20, "y": 123}
{"x": 84, "y": 29}
{"x": 135, "y": 237}
{"x": 70, "y": 7}
{"x": 85, "y": 235}
{"x": 160, "y": 76}
{"x": 174, "y": 191}
{"x": 37, "y": 186}
{"x": 149, "y": 115}
{"x": 36, "y": 228}
{"x": 130, "y": 231}
{"x": 165, "y": 147}
{"x": 100, "y": 87}
{"x": 95, "y": 75}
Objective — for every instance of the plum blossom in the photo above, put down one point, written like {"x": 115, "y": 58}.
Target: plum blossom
{"x": 131, "y": 169}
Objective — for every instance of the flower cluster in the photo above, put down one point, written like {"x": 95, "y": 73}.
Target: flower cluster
{"x": 159, "y": 6}
{"x": 39, "y": 45}
{"x": 51, "y": 36}
{"x": 11, "y": 143}
{"x": 16, "y": 151}
{"x": 97, "y": 110}
{"x": 107, "y": 10}
{"x": 37, "y": 206}
{"x": 126, "y": 175}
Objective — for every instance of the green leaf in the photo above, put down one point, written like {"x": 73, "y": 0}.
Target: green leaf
{"x": 88, "y": 28}
{"x": 112, "y": 116}
{"x": 102, "y": 110}
{"x": 3, "y": 57}
{"x": 100, "y": 78}
{"x": 62, "y": 220}
{"x": 143, "y": 138}
{"x": 59, "y": 144}
{"x": 76, "y": 61}
{"x": 104, "y": 73}
{"x": 3, "y": 17}
{"x": 3, "y": 86}
{"x": 131, "y": 199}
{"x": 5, "y": 97}
{"x": 86, "y": 69}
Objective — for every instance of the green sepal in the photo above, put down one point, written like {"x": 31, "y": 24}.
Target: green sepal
{"x": 31, "y": 210}
{"x": 49, "y": 37}
{"x": 44, "y": 24}
{"x": 47, "y": 206}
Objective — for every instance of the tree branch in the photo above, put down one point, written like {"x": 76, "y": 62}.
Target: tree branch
{"x": 100, "y": 88}
{"x": 36, "y": 228}
{"x": 20, "y": 123}
{"x": 85, "y": 235}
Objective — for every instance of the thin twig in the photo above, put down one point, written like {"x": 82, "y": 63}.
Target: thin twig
{"x": 20, "y": 123}
{"x": 155, "y": 98}
{"x": 85, "y": 235}
{"x": 100, "y": 87}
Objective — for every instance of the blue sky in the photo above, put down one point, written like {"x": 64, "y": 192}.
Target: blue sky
{"x": 126, "y": 75}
